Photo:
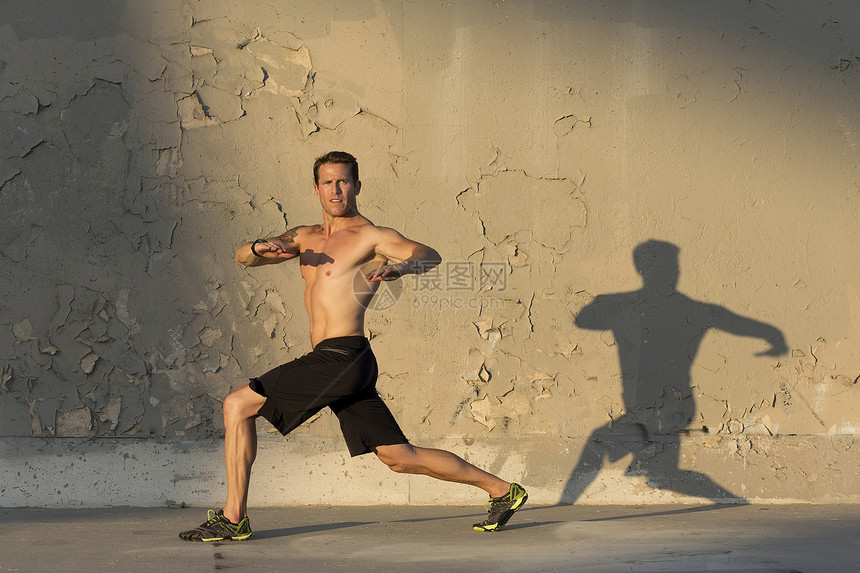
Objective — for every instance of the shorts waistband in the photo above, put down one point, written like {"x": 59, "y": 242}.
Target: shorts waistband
{"x": 354, "y": 342}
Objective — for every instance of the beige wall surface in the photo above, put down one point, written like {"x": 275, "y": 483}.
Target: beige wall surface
{"x": 648, "y": 213}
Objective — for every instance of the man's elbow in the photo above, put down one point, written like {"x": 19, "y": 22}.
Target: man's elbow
{"x": 435, "y": 257}
{"x": 243, "y": 259}
{"x": 430, "y": 258}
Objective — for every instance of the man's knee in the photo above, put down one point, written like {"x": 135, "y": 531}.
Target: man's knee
{"x": 242, "y": 403}
{"x": 399, "y": 467}
{"x": 396, "y": 457}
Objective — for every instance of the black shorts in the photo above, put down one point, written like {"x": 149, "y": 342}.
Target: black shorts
{"x": 339, "y": 373}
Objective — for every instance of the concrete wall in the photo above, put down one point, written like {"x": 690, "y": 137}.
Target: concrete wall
{"x": 536, "y": 145}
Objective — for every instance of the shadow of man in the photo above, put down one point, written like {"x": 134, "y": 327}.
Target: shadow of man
{"x": 657, "y": 332}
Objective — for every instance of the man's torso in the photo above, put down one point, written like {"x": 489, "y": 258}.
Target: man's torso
{"x": 333, "y": 267}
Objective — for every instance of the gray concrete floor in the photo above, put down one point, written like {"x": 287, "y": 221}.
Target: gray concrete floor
{"x": 605, "y": 539}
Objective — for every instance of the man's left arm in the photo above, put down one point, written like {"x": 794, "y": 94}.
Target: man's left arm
{"x": 410, "y": 256}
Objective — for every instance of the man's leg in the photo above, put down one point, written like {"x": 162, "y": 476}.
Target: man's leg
{"x": 240, "y": 448}
{"x": 406, "y": 458}
{"x": 505, "y": 498}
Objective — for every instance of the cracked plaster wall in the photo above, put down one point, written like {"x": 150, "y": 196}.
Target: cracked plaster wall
{"x": 142, "y": 142}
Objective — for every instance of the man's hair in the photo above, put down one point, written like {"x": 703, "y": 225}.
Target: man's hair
{"x": 336, "y": 157}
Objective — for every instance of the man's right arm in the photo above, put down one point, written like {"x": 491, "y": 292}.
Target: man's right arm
{"x": 270, "y": 251}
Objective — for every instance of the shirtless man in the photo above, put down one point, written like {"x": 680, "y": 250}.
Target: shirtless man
{"x": 341, "y": 370}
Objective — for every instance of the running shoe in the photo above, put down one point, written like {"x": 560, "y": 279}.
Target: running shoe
{"x": 502, "y": 508}
{"x": 219, "y": 528}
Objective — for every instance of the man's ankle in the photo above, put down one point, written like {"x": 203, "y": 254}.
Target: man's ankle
{"x": 233, "y": 517}
{"x": 507, "y": 488}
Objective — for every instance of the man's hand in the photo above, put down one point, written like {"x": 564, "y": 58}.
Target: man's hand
{"x": 386, "y": 273}
{"x": 266, "y": 252}
{"x": 269, "y": 248}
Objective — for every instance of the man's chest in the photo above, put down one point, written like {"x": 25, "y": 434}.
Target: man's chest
{"x": 335, "y": 256}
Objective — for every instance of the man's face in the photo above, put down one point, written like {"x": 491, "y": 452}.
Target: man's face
{"x": 337, "y": 189}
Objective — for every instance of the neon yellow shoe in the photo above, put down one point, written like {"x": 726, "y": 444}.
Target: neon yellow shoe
{"x": 219, "y": 528}
{"x": 502, "y": 508}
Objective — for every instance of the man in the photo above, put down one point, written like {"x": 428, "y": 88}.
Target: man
{"x": 341, "y": 370}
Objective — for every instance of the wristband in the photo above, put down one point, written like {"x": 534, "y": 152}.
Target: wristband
{"x": 256, "y": 254}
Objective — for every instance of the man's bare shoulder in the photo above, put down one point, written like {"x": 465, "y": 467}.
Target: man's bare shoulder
{"x": 297, "y": 233}
{"x": 364, "y": 227}
{"x": 380, "y": 232}
{"x": 378, "y": 237}
{"x": 308, "y": 229}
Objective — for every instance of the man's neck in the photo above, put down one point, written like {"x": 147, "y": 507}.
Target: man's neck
{"x": 333, "y": 224}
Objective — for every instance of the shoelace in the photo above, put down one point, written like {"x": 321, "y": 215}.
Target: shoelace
{"x": 496, "y": 503}
{"x": 216, "y": 517}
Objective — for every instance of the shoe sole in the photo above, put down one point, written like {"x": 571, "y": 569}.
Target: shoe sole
{"x": 236, "y": 538}
{"x": 504, "y": 517}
